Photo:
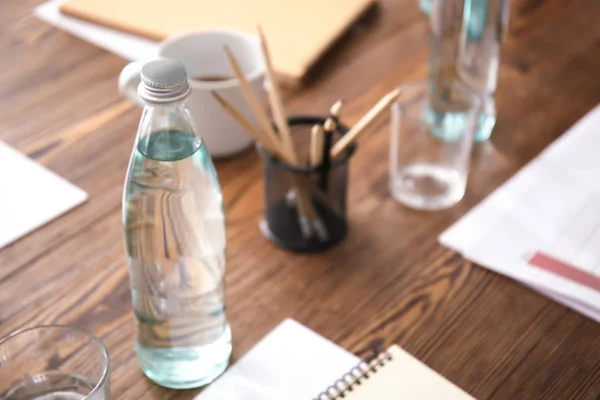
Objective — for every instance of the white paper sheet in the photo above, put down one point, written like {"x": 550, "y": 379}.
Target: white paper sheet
{"x": 542, "y": 227}
{"x": 30, "y": 195}
{"x": 292, "y": 363}
{"x": 128, "y": 46}
{"x": 589, "y": 311}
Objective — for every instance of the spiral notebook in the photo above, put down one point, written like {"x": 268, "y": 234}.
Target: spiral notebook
{"x": 294, "y": 363}
{"x": 393, "y": 374}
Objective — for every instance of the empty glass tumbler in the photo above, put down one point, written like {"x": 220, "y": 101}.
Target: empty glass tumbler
{"x": 431, "y": 141}
{"x": 53, "y": 363}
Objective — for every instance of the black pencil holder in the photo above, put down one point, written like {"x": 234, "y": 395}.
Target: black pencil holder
{"x": 305, "y": 207}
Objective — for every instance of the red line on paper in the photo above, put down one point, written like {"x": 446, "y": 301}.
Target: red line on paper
{"x": 551, "y": 264}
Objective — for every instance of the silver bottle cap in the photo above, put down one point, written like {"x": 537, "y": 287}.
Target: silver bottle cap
{"x": 163, "y": 81}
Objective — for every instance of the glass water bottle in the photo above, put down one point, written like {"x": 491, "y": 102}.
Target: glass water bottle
{"x": 175, "y": 239}
{"x": 484, "y": 26}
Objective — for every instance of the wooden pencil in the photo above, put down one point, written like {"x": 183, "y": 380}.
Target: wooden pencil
{"x": 253, "y": 101}
{"x": 329, "y": 128}
{"x": 316, "y": 145}
{"x": 275, "y": 100}
{"x": 255, "y": 132}
{"x": 364, "y": 123}
{"x": 335, "y": 109}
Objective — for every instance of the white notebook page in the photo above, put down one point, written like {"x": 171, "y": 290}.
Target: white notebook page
{"x": 292, "y": 363}
{"x": 30, "y": 195}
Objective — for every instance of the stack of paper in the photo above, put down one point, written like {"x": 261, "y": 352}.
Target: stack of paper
{"x": 542, "y": 227}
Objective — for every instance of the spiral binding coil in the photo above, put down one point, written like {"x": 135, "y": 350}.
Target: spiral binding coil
{"x": 355, "y": 377}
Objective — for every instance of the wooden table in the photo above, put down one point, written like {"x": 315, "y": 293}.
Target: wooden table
{"x": 388, "y": 282}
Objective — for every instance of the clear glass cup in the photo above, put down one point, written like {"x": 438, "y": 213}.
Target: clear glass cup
{"x": 53, "y": 363}
{"x": 431, "y": 140}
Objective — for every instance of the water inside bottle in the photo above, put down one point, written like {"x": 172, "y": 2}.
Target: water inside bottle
{"x": 175, "y": 237}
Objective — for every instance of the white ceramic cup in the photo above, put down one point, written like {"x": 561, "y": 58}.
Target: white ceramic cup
{"x": 202, "y": 53}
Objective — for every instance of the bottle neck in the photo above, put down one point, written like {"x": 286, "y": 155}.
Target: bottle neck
{"x": 166, "y": 117}
{"x": 167, "y": 131}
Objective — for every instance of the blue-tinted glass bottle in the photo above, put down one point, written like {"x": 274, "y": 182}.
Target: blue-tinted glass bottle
{"x": 174, "y": 228}
{"x": 484, "y": 24}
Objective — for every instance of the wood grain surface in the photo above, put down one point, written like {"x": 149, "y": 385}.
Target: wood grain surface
{"x": 388, "y": 282}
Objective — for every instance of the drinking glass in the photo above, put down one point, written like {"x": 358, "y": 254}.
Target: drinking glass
{"x": 53, "y": 363}
{"x": 431, "y": 139}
